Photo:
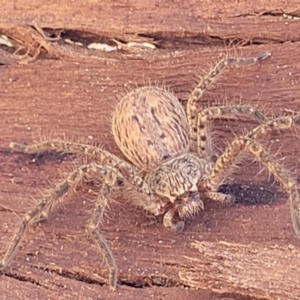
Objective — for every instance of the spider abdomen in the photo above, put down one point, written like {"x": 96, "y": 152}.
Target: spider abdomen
{"x": 150, "y": 126}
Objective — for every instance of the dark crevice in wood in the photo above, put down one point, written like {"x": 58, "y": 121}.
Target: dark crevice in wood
{"x": 71, "y": 275}
{"x": 133, "y": 281}
{"x": 237, "y": 296}
{"x": 276, "y": 14}
{"x": 138, "y": 282}
{"x": 58, "y": 43}
{"x": 24, "y": 278}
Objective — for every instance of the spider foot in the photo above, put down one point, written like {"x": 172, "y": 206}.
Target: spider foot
{"x": 178, "y": 227}
{"x": 263, "y": 55}
{"x": 17, "y": 147}
{"x": 217, "y": 196}
{"x": 230, "y": 199}
{"x": 168, "y": 221}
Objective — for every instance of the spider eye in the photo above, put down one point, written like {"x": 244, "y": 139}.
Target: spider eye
{"x": 120, "y": 181}
{"x": 166, "y": 156}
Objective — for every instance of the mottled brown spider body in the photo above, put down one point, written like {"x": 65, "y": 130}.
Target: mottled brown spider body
{"x": 171, "y": 167}
{"x": 150, "y": 126}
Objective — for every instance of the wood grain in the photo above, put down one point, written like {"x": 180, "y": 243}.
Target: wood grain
{"x": 236, "y": 252}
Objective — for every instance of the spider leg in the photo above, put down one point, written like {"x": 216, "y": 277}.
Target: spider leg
{"x": 280, "y": 123}
{"x": 97, "y": 217}
{"x": 169, "y": 222}
{"x": 204, "y": 140}
{"x": 50, "y": 201}
{"x": 248, "y": 142}
{"x": 110, "y": 169}
{"x": 282, "y": 175}
{"x": 103, "y": 156}
{"x": 206, "y": 81}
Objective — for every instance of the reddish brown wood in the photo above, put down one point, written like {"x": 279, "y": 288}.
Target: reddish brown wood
{"x": 230, "y": 252}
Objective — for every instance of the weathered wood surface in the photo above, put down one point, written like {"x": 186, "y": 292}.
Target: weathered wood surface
{"x": 228, "y": 252}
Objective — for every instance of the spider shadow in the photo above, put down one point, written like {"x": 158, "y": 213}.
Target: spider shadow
{"x": 252, "y": 194}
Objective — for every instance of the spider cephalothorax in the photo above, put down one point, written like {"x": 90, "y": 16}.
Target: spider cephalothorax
{"x": 170, "y": 169}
